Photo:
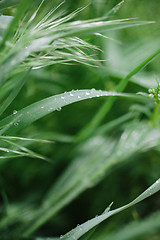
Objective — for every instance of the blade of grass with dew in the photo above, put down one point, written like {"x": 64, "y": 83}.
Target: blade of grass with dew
{"x": 95, "y": 159}
{"x": 134, "y": 230}
{"x": 85, "y": 227}
{"x": 90, "y": 233}
{"x": 41, "y": 108}
{"x": 102, "y": 112}
{"x": 3, "y": 129}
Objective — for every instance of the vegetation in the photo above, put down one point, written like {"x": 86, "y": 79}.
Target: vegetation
{"x": 68, "y": 157}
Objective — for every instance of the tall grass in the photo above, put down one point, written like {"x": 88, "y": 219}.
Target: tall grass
{"x": 62, "y": 148}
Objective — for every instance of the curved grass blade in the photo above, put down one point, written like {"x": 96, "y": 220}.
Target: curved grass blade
{"x": 80, "y": 230}
{"x": 41, "y": 108}
{"x": 135, "y": 230}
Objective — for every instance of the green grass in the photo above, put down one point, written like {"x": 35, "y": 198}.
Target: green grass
{"x": 64, "y": 160}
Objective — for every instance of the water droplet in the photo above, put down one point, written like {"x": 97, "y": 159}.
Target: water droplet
{"x": 79, "y": 227}
{"x": 42, "y": 107}
{"x": 61, "y": 236}
{"x": 16, "y": 124}
{"x": 71, "y": 94}
{"x": 79, "y": 97}
{"x": 87, "y": 93}
{"x": 63, "y": 98}
{"x": 59, "y": 109}
{"x": 15, "y": 112}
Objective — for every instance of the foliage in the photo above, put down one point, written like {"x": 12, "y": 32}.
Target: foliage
{"x": 62, "y": 148}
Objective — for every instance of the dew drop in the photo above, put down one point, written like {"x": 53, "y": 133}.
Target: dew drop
{"x": 79, "y": 97}
{"x": 63, "y": 98}
{"x": 15, "y": 112}
{"x": 87, "y": 93}
{"x": 71, "y": 94}
{"x": 61, "y": 236}
{"x": 42, "y": 107}
{"x": 59, "y": 109}
{"x": 16, "y": 124}
{"x": 79, "y": 227}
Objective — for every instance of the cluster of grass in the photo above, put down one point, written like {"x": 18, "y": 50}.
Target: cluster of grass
{"x": 68, "y": 157}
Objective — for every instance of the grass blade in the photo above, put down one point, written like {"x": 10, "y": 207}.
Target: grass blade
{"x": 136, "y": 229}
{"x": 39, "y": 109}
{"x": 80, "y": 230}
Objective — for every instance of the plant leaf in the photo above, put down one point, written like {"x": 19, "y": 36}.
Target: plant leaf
{"x": 80, "y": 230}
{"x": 136, "y": 229}
{"x": 41, "y": 108}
